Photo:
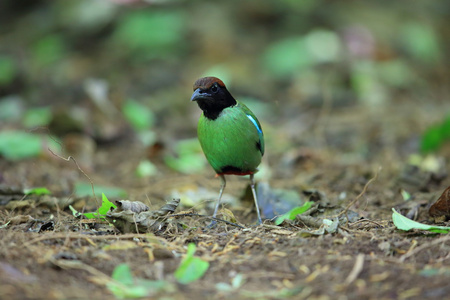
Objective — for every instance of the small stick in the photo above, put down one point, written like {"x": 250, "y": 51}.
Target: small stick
{"x": 422, "y": 247}
{"x": 357, "y": 268}
{"x": 92, "y": 237}
{"x": 205, "y": 216}
{"x": 359, "y": 196}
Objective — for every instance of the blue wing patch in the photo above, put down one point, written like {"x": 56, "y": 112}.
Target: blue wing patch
{"x": 260, "y": 143}
{"x": 256, "y": 124}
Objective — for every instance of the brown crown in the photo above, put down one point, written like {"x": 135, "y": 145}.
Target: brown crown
{"x": 206, "y": 82}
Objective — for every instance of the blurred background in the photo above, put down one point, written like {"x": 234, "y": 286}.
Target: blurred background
{"x": 355, "y": 79}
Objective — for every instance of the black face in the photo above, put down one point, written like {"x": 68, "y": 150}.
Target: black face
{"x": 213, "y": 100}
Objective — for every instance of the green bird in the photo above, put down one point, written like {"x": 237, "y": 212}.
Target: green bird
{"x": 229, "y": 133}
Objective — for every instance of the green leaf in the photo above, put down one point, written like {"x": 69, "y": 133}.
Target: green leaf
{"x": 190, "y": 158}
{"x": 151, "y": 33}
{"x": 396, "y": 72}
{"x": 48, "y": 50}
{"x": 435, "y": 136}
{"x": 430, "y": 272}
{"x": 147, "y": 137}
{"x": 146, "y": 169}
{"x": 37, "y": 191}
{"x": 83, "y": 189}
{"x": 75, "y": 212}
{"x": 421, "y": 41}
{"x": 125, "y": 286}
{"x": 445, "y": 128}
{"x": 405, "y": 195}
{"x": 122, "y": 273}
{"x": 288, "y": 56}
{"x": 323, "y": 45}
{"x": 106, "y": 205}
{"x": 102, "y": 210}
{"x": 403, "y": 223}
{"x": 432, "y": 139}
{"x": 290, "y": 215}
{"x": 17, "y": 145}
{"x": 187, "y": 163}
{"x": 8, "y": 70}
{"x": 191, "y": 268}
{"x": 5, "y": 225}
{"x": 37, "y": 117}
{"x": 139, "y": 116}
{"x": 11, "y": 109}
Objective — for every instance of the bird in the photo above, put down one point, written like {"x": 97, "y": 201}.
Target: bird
{"x": 229, "y": 133}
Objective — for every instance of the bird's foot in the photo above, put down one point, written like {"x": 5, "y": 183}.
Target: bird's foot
{"x": 212, "y": 224}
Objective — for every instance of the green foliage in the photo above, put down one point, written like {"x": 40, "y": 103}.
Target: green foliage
{"x": 395, "y": 73}
{"x": 405, "y": 195}
{"x": 37, "y": 117}
{"x": 403, "y": 223}
{"x": 190, "y": 158}
{"x": 236, "y": 283}
{"x": 126, "y": 286}
{"x": 102, "y": 210}
{"x": 83, "y": 189}
{"x": 10, "y": 109}
{"x": 85, "y": 16}
{"x": 435, "y": 136}
{"x": 37, "y": 191}
{"x": 151, "y": 33}
{"x": 139, "y": 116}
{"x": 48, "y": 50}
{"x": 191, "y": 267}
{"x": 146, "y": 168}
{"x": 8, "y": 70}
{"x": 287, "y": 56}
{"x": 290, "y": 215}
{"x": 430, "y": 272}
{"x": 421, "y": 42}
{"x": 17, "y": 145}
{"x": 295, "y": 54}
{"x": 323, "y": 45}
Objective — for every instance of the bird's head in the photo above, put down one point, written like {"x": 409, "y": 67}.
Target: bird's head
{"x": 212, "y": 96}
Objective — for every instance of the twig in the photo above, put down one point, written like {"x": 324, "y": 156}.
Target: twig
{"x": 366, "y": 186}
{"x": 71, "y": 158}
{"x": 92, "y": 237}
{"x": 205, "y": 216}
{"x": 424, "y": 246}
{"x": 366, "y": 221}
{"x": 357, "y": 268}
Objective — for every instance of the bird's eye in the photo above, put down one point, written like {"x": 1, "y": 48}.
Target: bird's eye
{"x": 214, "y": 88}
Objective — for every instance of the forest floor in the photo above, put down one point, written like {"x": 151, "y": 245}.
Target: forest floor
{"x": 47, "y": 253}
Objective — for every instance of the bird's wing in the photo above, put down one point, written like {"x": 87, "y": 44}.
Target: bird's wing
{"x": 255, "y": 122}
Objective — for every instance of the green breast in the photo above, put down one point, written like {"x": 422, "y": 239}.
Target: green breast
{"x": 234, "y": 142}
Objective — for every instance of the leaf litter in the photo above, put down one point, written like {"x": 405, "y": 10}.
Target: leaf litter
{"x": 347, "y": 238}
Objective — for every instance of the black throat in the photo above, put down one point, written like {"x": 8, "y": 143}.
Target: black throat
{"x": 213, "y": 105}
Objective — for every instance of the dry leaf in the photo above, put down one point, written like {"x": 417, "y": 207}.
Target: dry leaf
{"x": 120, "y": 245}
{"x": 441, "y": 208}
{"x": 127, "y": 221}
{"x": 134, "y": 206}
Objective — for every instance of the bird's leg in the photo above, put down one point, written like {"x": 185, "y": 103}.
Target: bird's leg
{"x": 223, "y": 184}
{"x": 252, "y": 185}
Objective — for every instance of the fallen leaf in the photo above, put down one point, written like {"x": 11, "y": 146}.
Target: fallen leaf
{"x": 191, "y": 268}
{"x": 120, "y": 245}
{"x": 403, "y": 223}
{"x": 127, "y": 221}
{"x": 441, "y": 208}
{"x": 20, "y": 219}
{"x": 134, "y": 206}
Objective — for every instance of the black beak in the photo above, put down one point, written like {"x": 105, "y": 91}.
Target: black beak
{"x": 199, "y": 94}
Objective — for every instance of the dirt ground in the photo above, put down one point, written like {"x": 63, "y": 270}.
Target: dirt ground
{"x": 47, "y": 253}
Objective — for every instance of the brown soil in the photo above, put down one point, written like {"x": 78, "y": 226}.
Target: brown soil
{"x": 366, "y": 259}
